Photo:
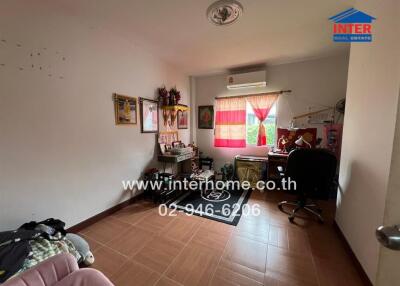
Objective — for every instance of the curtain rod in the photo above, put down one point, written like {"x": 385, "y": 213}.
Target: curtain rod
{"x": 255, "y": 94}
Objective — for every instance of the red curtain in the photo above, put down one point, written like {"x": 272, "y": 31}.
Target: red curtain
{"x": 261, "y": 105}
{"x": 230, "y": 122}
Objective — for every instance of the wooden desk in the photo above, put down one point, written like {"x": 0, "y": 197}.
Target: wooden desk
{"x": 276, "y": 160}
{"x": 179, "y": 163}
{"x": 175, "y": 158}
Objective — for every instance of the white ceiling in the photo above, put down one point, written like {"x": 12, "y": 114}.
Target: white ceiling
{"x": 270, "y": 31}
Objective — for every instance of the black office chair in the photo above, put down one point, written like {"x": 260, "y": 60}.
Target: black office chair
{"x": 314, "y": 172}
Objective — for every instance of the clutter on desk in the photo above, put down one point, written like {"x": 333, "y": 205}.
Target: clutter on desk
{"x": 287, "y": 138}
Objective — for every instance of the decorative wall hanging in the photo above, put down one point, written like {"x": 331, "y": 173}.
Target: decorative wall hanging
{"x": 182, "y": 119}
{"x": 169, "y": 101}
{"x": 148, "y": 115}
{"x": 174, "y": 96}
{"x": 206, "y": 117}
{"x": 163, "y": 96}
{"x": 125, "y": 109}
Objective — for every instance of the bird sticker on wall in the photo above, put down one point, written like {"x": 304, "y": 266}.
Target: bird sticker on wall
{"x": 15, "y": 55}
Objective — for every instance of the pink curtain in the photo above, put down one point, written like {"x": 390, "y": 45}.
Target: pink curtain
{"x": 230, "y": 122}
{"x": 261, "y": 105}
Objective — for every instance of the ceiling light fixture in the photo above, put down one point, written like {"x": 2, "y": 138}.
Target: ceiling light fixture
{"x": 224, "y": 12}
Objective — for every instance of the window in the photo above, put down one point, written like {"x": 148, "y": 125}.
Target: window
{"x": 252, "y": 126}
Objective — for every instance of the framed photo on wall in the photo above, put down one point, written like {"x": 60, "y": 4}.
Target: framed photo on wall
{"x": 182, "y": 119}
{"x": 148, "y": 115}
{"x": 125, "y": 109}
{"x": 167, "y": 137}
{"x": 205, "y": 117}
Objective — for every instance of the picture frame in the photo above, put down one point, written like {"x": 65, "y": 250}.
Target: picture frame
{"x": 178, "y": 144}
{"x": 162, "y": 148}
{"x": 183, "y": 122}
{"x": 168, "y": 148}
{"x": 125, "y": 109}
{"x": 205, "y": 117}
{"x": 149, "y": 121}
{"x": 167, "y": 137}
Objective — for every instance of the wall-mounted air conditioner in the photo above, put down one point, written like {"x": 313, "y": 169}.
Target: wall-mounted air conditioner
{"x": 246, "y": 80}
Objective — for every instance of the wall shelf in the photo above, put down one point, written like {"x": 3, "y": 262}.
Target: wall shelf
{"x": 175, "y": 107}
{"x": 170, "y": 112}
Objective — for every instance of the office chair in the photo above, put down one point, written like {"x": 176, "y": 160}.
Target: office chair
{"x": 314, "y": 171}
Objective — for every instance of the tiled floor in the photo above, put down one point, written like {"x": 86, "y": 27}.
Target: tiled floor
{"x": 137, "y": 246}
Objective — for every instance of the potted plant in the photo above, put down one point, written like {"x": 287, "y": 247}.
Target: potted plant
{"x": 175, "y": 96}
{"x": 163, "y": 95}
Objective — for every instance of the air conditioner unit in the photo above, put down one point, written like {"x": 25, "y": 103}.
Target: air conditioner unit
{"x": 246, "y": 80}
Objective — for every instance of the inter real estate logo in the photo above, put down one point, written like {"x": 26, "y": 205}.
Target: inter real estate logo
{"x": 352, "y": 26}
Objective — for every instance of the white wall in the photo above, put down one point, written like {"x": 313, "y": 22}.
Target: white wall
{"x": 61, "y": 154}
{"x": 315, "y": 83}
{"x": 372, "y": 98}
{"x": 388, "y": 267}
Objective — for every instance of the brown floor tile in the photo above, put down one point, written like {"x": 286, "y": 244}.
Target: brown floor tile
{"x": 218, "y": 281}
{"x": 277, "y": 279}
{"x": 293, "y": 265}
{"x": 93, "y": 244}
{"x": 136, "y": 246}
{"x": 334, "y": 274}
{"x": 134, "y": 213}
{"x": 106, "y": 230}
{"x": 261, "y": 218}
{"x": 132, "y": 273}
{"x": 290, "y": 239}
{"x": 164, "y": 281}
{"x": 182, "y": 229}
{"x": 242, "y": 270}
{"x": 154, "y": 222}
{"x": 278, "y": 236}
{"x": 246, "y": 252}
{"x": 108, "y": 261}
{"x": 298, "y": 241}
{"x": 215, "y": 240}
{"x": 254, "y": 229}
{"x": 190, "y": 217}
{"x": 195, "y": 265}
{"x": 132, "y": 241}
{"x": 325, "y": 244}
{"x": 159, "y": 253}
{"x": 226, "y": 276}
{"x": 216, "y": 226}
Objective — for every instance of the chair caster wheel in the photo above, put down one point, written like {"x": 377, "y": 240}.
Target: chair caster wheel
{"x": 291, "y": 219}
{"x": 280, "y": 207}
